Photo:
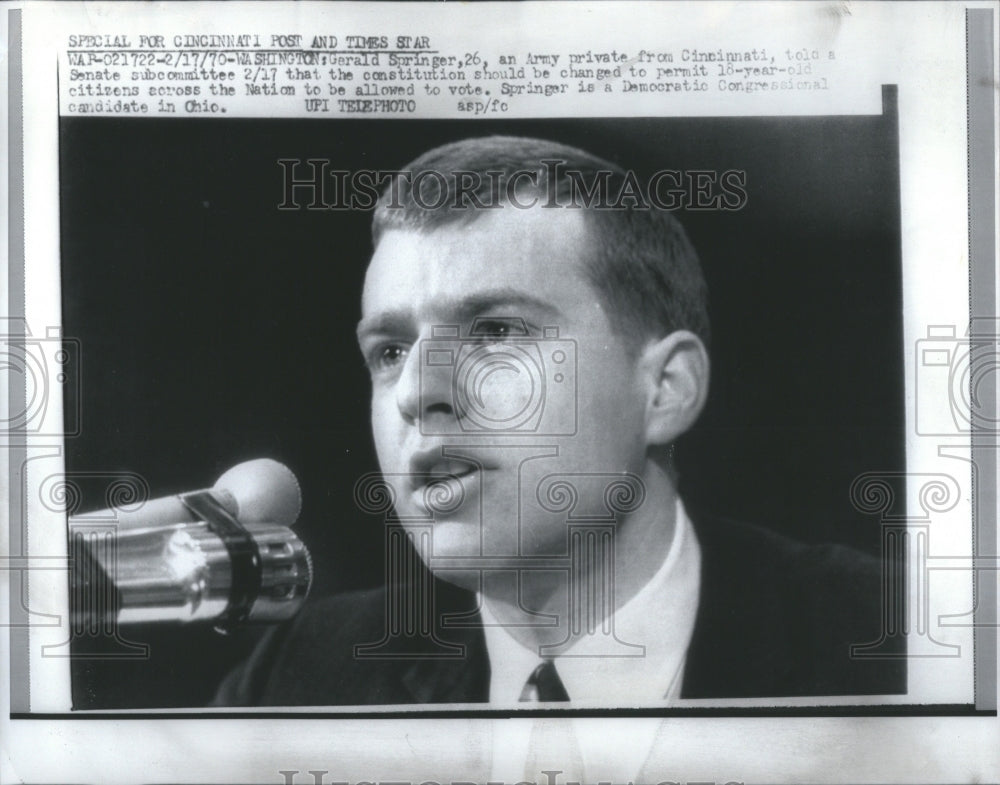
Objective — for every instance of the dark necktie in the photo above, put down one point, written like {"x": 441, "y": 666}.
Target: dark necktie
{"x": 543, "y": 685}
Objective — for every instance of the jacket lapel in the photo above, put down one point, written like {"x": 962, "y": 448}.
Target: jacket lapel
{"x": 460, "y": 678}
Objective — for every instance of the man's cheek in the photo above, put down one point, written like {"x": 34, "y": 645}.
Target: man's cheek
{"x": 382, "y": 430}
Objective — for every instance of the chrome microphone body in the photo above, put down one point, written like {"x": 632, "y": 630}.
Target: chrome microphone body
{"x": 183, "y": 573}
{"x": 226, "y": 557}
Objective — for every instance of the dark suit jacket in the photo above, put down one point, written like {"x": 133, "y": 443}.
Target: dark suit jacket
{"x": 776, "y": 618}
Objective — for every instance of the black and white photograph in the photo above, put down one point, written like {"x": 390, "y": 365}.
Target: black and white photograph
{"x": 531, "y": 435}
{"x": 500, "y": 392}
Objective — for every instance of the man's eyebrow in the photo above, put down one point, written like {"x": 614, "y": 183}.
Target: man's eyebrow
{"x": 483, "y": 302}
{"x": 388, "y": 322}
{"x": 461, "y": 310}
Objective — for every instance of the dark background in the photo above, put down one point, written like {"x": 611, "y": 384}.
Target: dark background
{"x": 216, "y": 328}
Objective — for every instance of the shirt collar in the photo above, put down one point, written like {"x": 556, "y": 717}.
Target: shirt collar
{"x": 656, "y": 624}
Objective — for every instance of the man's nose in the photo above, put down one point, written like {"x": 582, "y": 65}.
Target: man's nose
{"x": 424, "y": 388}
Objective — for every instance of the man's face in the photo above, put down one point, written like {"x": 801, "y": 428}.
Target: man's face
{"x": 433, "y": 441}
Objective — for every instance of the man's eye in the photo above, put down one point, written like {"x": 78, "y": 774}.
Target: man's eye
{"x": 386, "y": 357}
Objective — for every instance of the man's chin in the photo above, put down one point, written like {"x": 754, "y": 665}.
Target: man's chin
{"x": 453, "y": 553}
{"x": 458, "y": 541}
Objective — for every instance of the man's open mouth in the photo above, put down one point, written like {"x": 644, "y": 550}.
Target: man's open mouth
{"x": 429, "y": 468}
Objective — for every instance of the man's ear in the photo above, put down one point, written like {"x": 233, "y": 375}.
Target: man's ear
{"x": 675, "y": 372}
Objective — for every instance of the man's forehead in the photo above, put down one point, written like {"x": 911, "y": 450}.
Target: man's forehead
{"x": 537, "y": 251}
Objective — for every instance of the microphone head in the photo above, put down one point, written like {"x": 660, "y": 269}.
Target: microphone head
{"x": 263, "y": 491}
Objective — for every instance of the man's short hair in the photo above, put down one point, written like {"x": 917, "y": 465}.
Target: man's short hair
{"x": 643, "y": 264}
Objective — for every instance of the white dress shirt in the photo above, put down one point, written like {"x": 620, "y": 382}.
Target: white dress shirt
{"x": 658, "y": 621}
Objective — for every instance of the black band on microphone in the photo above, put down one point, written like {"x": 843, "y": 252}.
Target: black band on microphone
{"x": 244, "y": 557}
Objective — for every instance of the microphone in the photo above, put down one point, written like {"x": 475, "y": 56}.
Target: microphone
{"x": 225, "y": 555}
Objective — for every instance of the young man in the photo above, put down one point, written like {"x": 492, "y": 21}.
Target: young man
{"x": 537, "y": 340}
